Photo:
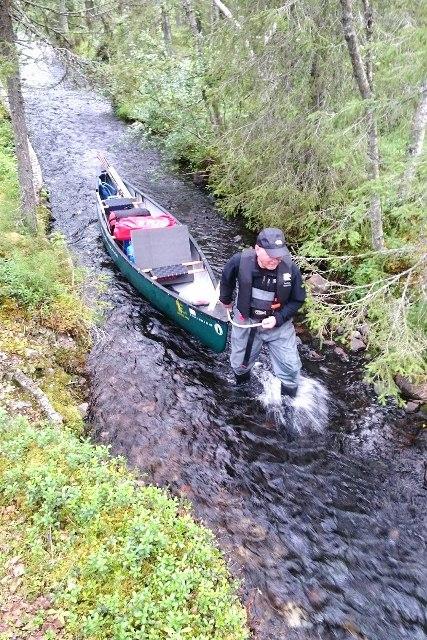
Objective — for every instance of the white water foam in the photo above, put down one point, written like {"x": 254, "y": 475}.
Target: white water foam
{"x": 309, "y": 409}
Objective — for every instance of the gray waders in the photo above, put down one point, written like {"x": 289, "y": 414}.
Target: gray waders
{"x": 246, "y": 345}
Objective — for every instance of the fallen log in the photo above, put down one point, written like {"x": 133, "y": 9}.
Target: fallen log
{"x": 30, "y": 386}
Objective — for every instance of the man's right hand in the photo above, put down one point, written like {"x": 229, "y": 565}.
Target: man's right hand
{"x": 227, "y": 306}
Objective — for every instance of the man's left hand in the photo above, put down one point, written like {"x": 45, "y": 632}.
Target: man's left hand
{"x": 269, "y": 323}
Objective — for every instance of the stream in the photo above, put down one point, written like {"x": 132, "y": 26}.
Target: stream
{"x": 325, "y": 529}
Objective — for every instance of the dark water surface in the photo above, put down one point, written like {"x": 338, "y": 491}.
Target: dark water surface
{"x": 327, "y": 531}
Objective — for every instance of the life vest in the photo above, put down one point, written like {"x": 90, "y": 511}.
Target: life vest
{"x": 257, "y": 303}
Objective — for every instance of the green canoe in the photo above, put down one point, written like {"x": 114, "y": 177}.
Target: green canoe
{"x": 191, "y": 301}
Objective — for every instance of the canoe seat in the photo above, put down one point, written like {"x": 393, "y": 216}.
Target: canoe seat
{"x": 164, "y": 250}
{"x": 170, "y": 274}
{"x": 118, "y": 204}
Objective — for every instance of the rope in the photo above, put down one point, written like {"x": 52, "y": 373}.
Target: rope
{"x": 242, "y": 326}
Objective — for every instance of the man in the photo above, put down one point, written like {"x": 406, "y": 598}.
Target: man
{"x": 270, "y": 292}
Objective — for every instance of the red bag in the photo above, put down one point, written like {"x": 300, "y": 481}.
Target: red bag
{"x": 124, "y": 226}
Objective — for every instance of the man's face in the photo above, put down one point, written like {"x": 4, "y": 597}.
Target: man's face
{"x": 264, "y": 260}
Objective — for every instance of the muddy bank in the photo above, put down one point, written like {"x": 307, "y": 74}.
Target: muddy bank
{"x": 326, "y": 530}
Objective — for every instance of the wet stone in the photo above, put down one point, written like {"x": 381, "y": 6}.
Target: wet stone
{"x": 411, "y": 407}
{"x": 356, "y": 344}
{"x": 317, "y": 597}
{"x": 339, "y": 351}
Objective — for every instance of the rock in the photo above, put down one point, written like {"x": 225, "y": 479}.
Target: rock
{"x": 363, "y": 329}
{"x": 237, "y": 239}
{"x": 65, "y": 341}
{"x": 356, "y": 344}
{"x": 411, "y": 390}
{"x": 200, "y": 178}
{"x": 317, "y": 597}
{"x": 412, "y": 406}
{"x": 18, "y": 570}
{"x": 31, "y": 353}
{"x": 82, "y": 409}
{"x": 339, "y": 351}
{"x": 318, "y": 284}
{"x": 313, "y": 356}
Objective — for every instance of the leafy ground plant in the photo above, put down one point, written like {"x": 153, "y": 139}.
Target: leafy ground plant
{"x": 117, "y": 559}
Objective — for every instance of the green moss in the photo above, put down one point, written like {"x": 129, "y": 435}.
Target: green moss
{"x": 122, "y": 561}
{"x": 9, "y": 188}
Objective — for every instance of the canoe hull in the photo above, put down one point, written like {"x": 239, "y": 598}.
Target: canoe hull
{"x": 211, "y": 331}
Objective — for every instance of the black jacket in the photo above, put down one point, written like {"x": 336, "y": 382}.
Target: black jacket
{"x": 295, "y": 299}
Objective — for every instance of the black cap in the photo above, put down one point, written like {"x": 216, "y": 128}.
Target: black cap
{"x": 273, "y": 241}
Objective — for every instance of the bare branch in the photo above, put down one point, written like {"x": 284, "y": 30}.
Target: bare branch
{"x": 227, "y": 13}
{"x": 30, "y": 386}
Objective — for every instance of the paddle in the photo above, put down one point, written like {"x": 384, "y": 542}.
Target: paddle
{"x": 214, "y": 300}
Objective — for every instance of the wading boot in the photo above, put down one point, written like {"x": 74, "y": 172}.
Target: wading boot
{"x": 290, "y": 391}
{"x": 242, "y": 378}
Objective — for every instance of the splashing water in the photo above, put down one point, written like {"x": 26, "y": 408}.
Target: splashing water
{"x": 307, "y": 411}
{"x": 310, "y": 405}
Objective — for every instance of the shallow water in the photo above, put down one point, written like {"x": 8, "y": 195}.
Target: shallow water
{"x": 323, "y": 522}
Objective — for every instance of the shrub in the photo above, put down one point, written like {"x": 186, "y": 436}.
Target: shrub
{"x": 123, "y": 561}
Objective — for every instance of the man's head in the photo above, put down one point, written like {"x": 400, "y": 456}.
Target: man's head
{"x": 270, "y": 248}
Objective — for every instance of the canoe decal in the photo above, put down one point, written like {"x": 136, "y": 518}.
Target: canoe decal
{"x": 181, "y": 310}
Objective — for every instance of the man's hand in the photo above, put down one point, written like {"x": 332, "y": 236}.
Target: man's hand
{"x": 227, "y": 306}
{"x": 269, "y": 323}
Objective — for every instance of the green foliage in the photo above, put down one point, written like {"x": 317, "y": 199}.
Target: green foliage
{"x": 32, "y": 279}
{"x": 123, "y": 561}
{"x": 40, "y": 276}
{"x": 166, "y": 97}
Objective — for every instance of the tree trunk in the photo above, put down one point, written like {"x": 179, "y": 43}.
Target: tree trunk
{"x": 418, "y": 131}
{"x": 166, "y": 28}
{"x": 192, "y": 20}
{"x": 89, "y": 13}
{"x": 211, "y": 106}
{"x": 19, "y": 125}
{"x": 62, "y": 18}
{"x": 364, "y": 86}
{"x": 369, "y": 23}
{"x": 222, "y": 8}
